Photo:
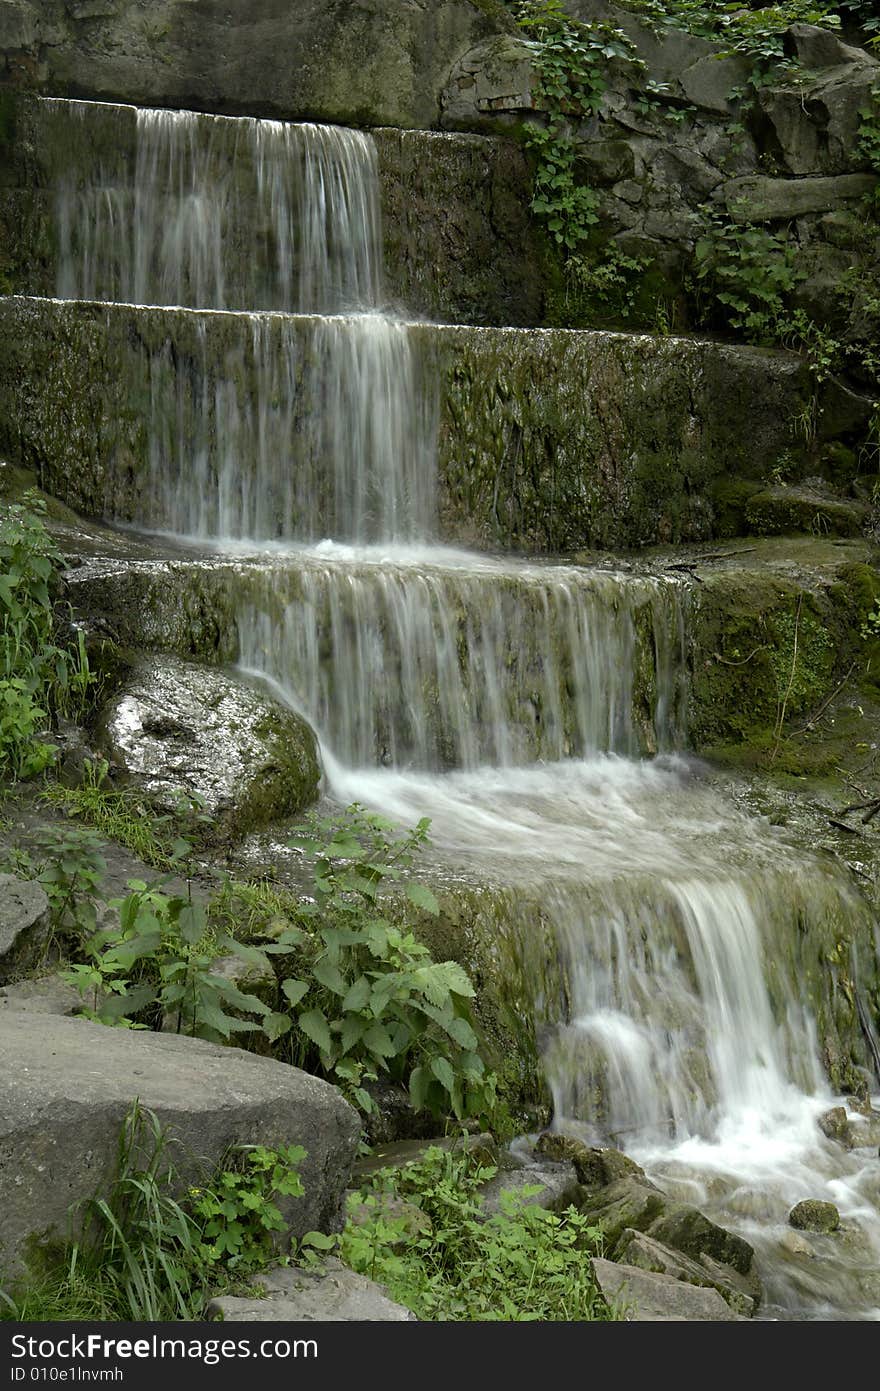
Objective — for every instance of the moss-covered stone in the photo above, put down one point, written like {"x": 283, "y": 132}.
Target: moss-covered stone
{"x": 812, "y": 1215}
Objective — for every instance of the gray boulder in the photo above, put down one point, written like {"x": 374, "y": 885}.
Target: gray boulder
{"x": 815, "y": 128}
{"x": 494, "y": 79}
{"x": 330, "y": 1292}
{"x": 649, "y": 1297}
{"x": 557, "y": 1186}
{"x": 24, "y": 926}
{"x": 63, "y": 1103}
{"x": 174, "y": 728}
{"x": 636, "y": 1248}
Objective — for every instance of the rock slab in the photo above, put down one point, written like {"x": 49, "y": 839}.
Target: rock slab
{"x": 329, "y": 1293}
{"x": 649, "y": 1297}
{"x": 68, "y": 1085}
{"x": 24, "y": 925}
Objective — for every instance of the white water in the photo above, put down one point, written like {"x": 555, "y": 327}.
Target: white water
{"x": 504, "y": 702}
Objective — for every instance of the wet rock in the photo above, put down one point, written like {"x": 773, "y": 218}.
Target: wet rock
{"x": 793, "y": 1244}
{"x": 175, "y": 728}
{"x": 637, "y": 1249}
{"x": 397, "y": 1156}
{"x": 688, "y": 1230}
{"x": 813, "y": 1215}
{"x": 63, "y": 1103}
{"x": 626, "y": 1203}
{"x": 595, "y": 1167}
{"x": 835, "y": 1124}
{"x": 330, "y": 1292}
{"x": 24, "y": 926}
{"x": 650, "y": 1297}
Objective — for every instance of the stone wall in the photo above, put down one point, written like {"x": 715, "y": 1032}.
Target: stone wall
{"x": 459, "y": 242}
{"x": 548, "y": 441}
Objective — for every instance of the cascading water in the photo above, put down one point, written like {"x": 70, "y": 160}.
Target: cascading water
{"x": 508, "y": 702}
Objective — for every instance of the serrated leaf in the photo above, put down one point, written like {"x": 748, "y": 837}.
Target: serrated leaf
{"x": 276, "y": 1025}
{"x": 313, "y": 1024}
{"x": 330, "y": 976}
{"x": 379, "y": 1042}
{"x": 358, "y": 996}
{"x": 192, "y": 923}
{"x": 295, "y": 989}
{"x": 422, "y": 897}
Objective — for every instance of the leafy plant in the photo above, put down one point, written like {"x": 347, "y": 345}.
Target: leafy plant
{"x": 149, "y": 1255}
{"x": 369, "y": 997}
{"x": 570, "y": 59}
{"x": 238, "y": 1215}
{"x": 39, "y": 677}
{"x": 522, "y": 1263}
{"x": 749, "y": 271}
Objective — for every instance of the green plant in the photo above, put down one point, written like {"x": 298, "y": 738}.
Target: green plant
{"x": 238, "y": 1215}
{"x": 369, "y": 997}
{"x": 123, "y": 815}
{"x": 39, "y": 677}
{"x": 612, "y": 280}
{"x": 522, "y": 1263}
{"x": 158, "y": 964}
{"x": 73, "y": 868}
{"x": 570, "y": 59}
{"x": 748, "y": 271}
{"x": 148, "y": 1255}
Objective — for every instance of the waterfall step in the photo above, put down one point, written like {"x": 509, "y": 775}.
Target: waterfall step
{"x": 112, "y": 201}
{"x": 255, "y": 425}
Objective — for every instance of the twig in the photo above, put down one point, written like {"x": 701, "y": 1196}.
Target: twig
{"x": 725, "y": 661}
{"x": 811, "y": 722}
{"x": 794, "y": 656}
{"x": 842, "y": 826}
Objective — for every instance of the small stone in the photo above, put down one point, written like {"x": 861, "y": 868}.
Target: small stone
{"x": 812, "y": 1215}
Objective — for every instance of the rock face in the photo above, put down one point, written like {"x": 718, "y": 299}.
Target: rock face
{"x": 178, "y": 728}
{"x": 330, "y": 1292}
{"x": 24, "y": 926}
{"x": 64, "y": 1101}
{"x": 383, "y": 62}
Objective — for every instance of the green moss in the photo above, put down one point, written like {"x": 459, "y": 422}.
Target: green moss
{"x": 729, "y": 498}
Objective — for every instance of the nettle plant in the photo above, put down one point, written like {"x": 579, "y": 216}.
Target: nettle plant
{"x": 358, "y": 997}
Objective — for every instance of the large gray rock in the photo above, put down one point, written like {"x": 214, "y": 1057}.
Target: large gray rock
{"x": 68, "y": 1087}
{"x": 638, "y": 1249}
{"x": 330, "y": 1292}
{"x": 814, "y": 129}
{"x": 556, "y": 1184}
{"x": 649, "y": 1297}
{"x": 179, "y": 728}
{"x": 494, "y": 79}
{"x": 369, "y": 62}
{"x": 24, "y": 925}
{"x": 761, "y": 199}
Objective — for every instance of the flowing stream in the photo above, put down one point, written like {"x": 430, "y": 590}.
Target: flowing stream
{"x": 535, "y": 712}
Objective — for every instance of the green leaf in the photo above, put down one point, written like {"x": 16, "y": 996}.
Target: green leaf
{"x": 358, "y": 996}
{"x": 193, "y": 922}
{"x": 443, "y": 1071}
{"x": 423, "y": 898}
{"x": 295, "y": 989}
{"x": 379, "y": 1042}
{"x": 276, "y": 1025}
{"x": 313, "y": 1024}
{"x": 330, "y": 976}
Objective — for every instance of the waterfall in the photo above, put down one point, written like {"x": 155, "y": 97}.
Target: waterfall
{"x": 178, "y": 236}
{"x": 432, "y": 666}
{"x": 518, "y": 705}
